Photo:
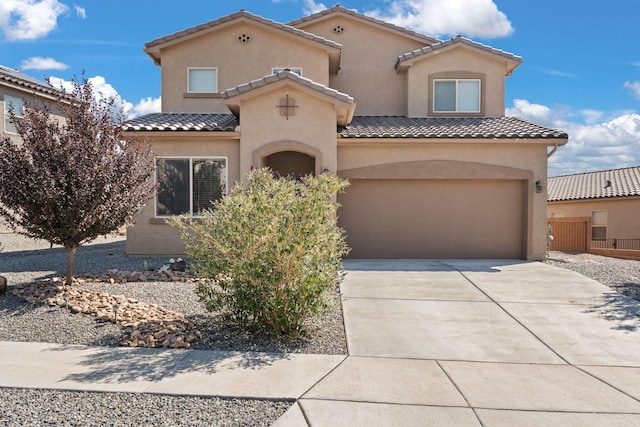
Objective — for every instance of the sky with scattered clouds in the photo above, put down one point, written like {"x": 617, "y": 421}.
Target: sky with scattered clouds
{"x": 581, "y": 69}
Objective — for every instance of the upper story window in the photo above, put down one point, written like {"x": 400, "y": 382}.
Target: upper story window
{"x": 297, "y": 71}
{"x": 456, "y": 96}
{"x": 203, "y": 80}
{"x": 16, "y": 103}
{"x": 188, "y": 185}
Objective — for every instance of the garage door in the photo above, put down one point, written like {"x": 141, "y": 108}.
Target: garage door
{"x": 434, "y": 218}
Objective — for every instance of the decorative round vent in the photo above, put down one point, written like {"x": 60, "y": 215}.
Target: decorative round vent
{"x": 244, "y": 38}
{"x": 338, "y": 29}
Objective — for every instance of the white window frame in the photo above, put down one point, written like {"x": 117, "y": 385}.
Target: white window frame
{"x": 295, "y": 70}
{"x": 201, "y": 68}
{"x": 8, "y": 100}
{"x": 191, "y": 159}
{"x": 457, "y": 110}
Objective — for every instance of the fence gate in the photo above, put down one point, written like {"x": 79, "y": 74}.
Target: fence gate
{"x": 570, "y": 234}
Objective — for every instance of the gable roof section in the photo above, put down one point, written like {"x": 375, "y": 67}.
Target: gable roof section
{"x": 16, "y": 79}
{"x": 187, "y": 122}
{"x": 345, "y": 105}
{"x": 153, "y": 47}
{"x": 364, "y": 127}
{"x": 408, "y": 59}
{"x": 624, "y": 182}
{"x": 339, "y": 10}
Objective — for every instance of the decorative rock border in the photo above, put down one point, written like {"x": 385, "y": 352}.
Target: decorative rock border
{"x": 146, "y": 325}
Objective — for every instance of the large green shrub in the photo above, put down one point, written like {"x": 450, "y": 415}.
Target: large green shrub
{"x": 274, "y": 248}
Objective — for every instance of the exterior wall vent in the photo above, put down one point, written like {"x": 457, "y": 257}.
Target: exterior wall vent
{"x": 338, "y": 29}
{"x": 244, "y": 38}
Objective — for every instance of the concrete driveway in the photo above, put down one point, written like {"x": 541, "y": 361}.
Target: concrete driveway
{"x": 479, "y": 343}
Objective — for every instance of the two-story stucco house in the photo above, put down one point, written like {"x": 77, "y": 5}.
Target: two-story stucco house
{"x": 415, "y": 123}
{"x": 16, "y": 88}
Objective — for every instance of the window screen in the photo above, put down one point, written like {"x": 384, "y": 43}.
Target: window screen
{"x": 203, "y": 80}
{"x": 16, "y": 103}
{"x": 173, "y": 194}
{"x": 209, "y": 182}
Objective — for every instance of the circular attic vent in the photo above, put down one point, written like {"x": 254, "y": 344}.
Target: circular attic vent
{"x": 244, "y": 38}
{"x": 338, "y": 29}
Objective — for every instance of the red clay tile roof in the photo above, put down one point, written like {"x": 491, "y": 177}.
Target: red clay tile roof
{"x": 242, "y": 13}
{"x": 338, "y": 8}
{"x": 159, "y": 122}
{"x": 624, "y": 182}
{"x": 458, "y": 39}
{"x": 272, "y": 78}
{"x": 435, "y": 127}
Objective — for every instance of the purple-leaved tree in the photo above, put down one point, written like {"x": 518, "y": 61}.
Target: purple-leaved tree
{"x": 73, "y": 179}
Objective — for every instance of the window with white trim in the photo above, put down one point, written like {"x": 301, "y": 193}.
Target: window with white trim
{"x": 297, "y": 71}
{"x": 456, "y": 96}
{"x": 188, "y": 185}
{"x": 203, "y": 80}
{"x": 16, "y": 103}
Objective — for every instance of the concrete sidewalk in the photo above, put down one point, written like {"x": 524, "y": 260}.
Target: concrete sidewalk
{"x": 459, "y": 343}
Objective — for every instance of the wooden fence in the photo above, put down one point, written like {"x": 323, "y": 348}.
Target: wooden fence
{"x": 570, "y": 234}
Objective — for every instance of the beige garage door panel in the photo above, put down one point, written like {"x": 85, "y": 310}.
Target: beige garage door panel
{"x": 433, "y": 218}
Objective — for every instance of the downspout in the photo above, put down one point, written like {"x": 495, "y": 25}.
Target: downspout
{"x": 555, "y": 148}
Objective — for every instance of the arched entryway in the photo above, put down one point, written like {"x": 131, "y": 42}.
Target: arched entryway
{"x": 291, "y": 163}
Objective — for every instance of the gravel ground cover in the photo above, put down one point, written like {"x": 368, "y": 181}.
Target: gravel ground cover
{"x": 24, "y": 260}
{"x": 620, "y": 274}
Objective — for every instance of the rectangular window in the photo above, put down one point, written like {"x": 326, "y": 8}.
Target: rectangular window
{"x": 598, "y": 225}
{"x": 203, "y": 80}
{"x": 297, "y": 71}
{"x": 189, "y": 185}
{"x": 16, "y": 103}
{"x": 456, "y": 96}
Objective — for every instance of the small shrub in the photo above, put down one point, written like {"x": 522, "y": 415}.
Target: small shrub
{"x": 274, "y": 248}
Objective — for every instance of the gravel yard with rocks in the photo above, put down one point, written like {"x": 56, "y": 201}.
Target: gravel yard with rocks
{"x": 24, "y": 260}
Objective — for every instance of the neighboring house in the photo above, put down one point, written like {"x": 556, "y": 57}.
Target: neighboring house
{"x": 609, "y": 200}
{"x": 15, "y": 88}
{"x": 415, "y": 123}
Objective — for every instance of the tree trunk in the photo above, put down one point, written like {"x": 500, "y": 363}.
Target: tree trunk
{"x": 71, "y": 253}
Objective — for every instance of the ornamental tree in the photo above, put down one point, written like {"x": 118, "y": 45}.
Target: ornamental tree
{"x": 72, "y": 177}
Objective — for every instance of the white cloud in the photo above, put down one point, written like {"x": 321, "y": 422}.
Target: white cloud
{"x": 145, "y": 106}
{"x": 472, "y": 18}
{"x": 310, "y": 7}
{"x": 104, "y": 90}
{"x": 29, "y": 19}
{"x": 82, "y": 14}
{"x": 592, "y": 145}
{"x": 634, "y": 88}
{"x": 40, "y": 63}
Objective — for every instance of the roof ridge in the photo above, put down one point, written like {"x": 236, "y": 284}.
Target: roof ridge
{"x": 353, "y": 12}
{"x": 457, "y": 39}
{"x": 235, "y": 15}
{"x": 285, "y": 74}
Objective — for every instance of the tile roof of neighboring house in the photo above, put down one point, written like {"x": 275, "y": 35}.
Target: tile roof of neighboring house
{"x": 245, "y": 14}
{"x": 338, "y": 8}
{"x": 272, "y": 78}
{"x": 183, "y": 122}
{"x": 624, "y": 182}
{"x": 23, "y": 81}
{"x": 435, "y": 127}
{"x": 458, "y": 39}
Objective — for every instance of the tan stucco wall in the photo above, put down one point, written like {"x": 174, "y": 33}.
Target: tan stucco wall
{"x": 482, "y": 160}
{"x": 623, "y": 214}
{"x": 457, "y": 63}
{"x": 311, "y": 128}
{"x": 237, "y": 63}
{"x": 150, "y": 235}
{"x": 367, "y": 66}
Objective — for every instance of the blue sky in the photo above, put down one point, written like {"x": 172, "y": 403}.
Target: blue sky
{"x": 581, "y": 69}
